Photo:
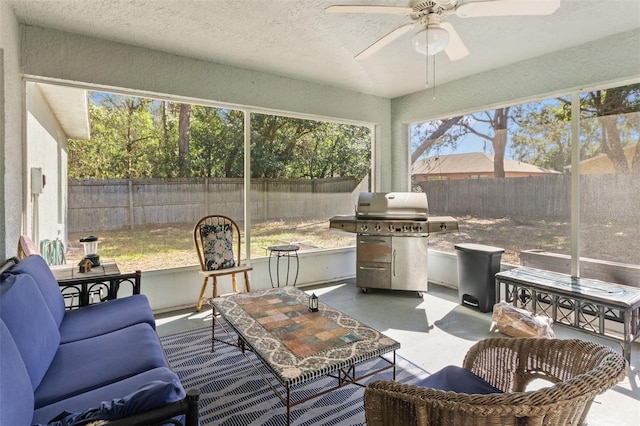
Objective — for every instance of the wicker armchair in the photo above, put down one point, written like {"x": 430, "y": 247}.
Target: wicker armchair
{"x": 578, "y": 371}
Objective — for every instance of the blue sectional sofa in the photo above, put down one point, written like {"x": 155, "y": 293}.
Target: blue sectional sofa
{"x": 68, "y": 367}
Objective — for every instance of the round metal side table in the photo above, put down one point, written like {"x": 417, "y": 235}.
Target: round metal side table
{"x": 289, "y": 251}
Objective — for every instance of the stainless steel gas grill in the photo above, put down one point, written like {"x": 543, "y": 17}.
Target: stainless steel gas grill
{"x": 392, "y": 229}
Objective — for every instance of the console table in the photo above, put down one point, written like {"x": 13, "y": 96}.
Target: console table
{"x": 597, "y": 307}
{"x": 103, "y": 281}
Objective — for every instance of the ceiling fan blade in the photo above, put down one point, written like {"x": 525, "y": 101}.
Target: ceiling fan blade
{"x": 389, "y": 10}
{"x": 456, "y": 48}
{"x": 507, "y": 8}
{"x": 398, "y": 32}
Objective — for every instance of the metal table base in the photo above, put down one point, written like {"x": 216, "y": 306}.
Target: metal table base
{"x": 289, "y": 251}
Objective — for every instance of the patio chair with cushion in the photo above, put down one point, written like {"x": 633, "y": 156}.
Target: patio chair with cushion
{"x": 217, "y": 241}
{"x": 491, "y": 389}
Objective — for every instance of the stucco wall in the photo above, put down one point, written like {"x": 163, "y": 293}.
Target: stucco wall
{"x": 602, "y": 63}
{"x": 46, "y": 150}
{"x": 10, "y": 133}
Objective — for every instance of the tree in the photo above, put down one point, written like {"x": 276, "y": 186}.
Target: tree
{"x": 273, "y": 143}
{"x": 613, "y": 108}
{"x": 121, "y": 130}
{"x": 439, "y": 132}
{"x": 184, "y": 124}
{"x": 165, "y": 158}
{"x": 134, "y": 137}
{"x": 609, "y": 124}
{"x": 498, "y": 123}
{"x": 334, "y": 150}
{"x": 541, "y": 136}
{"x": 217, "y": 142}
{"x": 292, "y": 148}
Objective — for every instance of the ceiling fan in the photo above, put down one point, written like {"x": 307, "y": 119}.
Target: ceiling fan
{"x": 436, "y": 35}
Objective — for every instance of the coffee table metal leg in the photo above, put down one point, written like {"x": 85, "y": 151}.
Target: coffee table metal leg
{"x": 288, "y": 405}
{"x": 394, "y": 366}
{"x": 213, "y": 334}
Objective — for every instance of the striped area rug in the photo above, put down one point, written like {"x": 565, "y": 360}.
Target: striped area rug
{"x": 233, "y": 393}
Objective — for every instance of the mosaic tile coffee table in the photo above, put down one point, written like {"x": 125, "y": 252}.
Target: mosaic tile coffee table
{"x": 297, "y": 345}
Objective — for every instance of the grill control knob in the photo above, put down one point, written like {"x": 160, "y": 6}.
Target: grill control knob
{"x": 390, "y": 228}
{"x": 377, "y": 228}
{"x": 363, "y": 227}
{"x": 443, "y": 226}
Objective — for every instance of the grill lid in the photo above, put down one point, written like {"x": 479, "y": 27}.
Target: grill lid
{"x": 392, "y": 205}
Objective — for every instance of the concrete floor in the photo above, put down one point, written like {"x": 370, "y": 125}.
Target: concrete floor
{"x": 435, "y": 331}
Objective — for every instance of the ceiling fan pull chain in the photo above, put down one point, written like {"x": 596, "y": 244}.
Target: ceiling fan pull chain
{"x": 434, "y": 77}
{"x": 426, "y": 62}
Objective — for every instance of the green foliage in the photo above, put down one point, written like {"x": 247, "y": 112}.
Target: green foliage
{"x": 539, "y": 133}
{"x": 614, "y": 117}
{"x": 283, "y": 147}
{"x": 138, "y": 138}
{"x": 217, "y": 142}
{"x": 543, "y": 135}
{"x": 610, "y": 122}
{"x": 123, "y": 141}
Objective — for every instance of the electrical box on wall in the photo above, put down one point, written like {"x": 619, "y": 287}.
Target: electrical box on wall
{"x": 37, "y": 180}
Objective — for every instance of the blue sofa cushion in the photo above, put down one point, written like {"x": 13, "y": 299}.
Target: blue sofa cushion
{"x": 92, "y": 399}
{"x": 36, "y": 267}
{"x": 459, "y": 380}
{"x": 29, "y": 321}
{"x": 149, "y": 396}
{"x": 87, "y": 364}
{"x": 16, "y": 393}
{"x": 102, "y": 318}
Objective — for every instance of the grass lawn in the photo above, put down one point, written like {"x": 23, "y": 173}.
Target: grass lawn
{"x": 163, "y": 246}
{"x": 171, "y": 245}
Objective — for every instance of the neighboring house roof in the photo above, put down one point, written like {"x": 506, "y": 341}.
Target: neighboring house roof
{"x": 71, "y": 108}
{"x": 473, "y": 163}
{"x": 602, "y": 164}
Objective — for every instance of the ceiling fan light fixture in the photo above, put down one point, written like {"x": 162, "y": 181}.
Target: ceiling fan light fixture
{"x": 431, "y": 40}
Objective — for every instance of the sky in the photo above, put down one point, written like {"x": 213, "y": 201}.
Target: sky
{"x": 469, "y": 143}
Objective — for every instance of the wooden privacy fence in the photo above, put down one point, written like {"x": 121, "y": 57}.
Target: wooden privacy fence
{"x": 98, "y": 205}
{"x": 117, "y": 204}
{"x": 603, "y": 198}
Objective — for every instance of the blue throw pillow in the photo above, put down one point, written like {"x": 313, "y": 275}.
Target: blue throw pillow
{"x": 36, "y": 267}
{"x": 149, "y": 396}
{"x": 459, "y": 380}
{"x": 28, "y": 319}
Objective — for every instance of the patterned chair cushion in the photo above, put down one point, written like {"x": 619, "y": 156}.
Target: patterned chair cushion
{"x": 217, "y": 243}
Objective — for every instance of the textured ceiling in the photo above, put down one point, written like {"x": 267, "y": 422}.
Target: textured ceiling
{"x": 295, "y": 38}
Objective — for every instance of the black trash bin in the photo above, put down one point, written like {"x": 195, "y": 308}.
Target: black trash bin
{"x": 477, "y": 267}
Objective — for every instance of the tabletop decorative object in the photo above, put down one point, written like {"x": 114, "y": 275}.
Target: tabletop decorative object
{"x": 313, "y": 303}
